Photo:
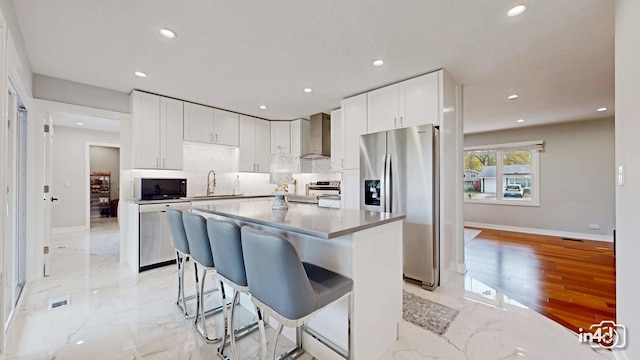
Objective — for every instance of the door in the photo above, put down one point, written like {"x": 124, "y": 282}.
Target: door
{"x": 171, "y": 123}
{"x": 247, "y": 140}
{"x": 198, "y": 123}
{"x": 280, "y": 137}
{"x": 354, "y": 124}
{"x": 382, "y": 109}
{"x": 146, "y": 131}
{"x": 263, "y": 145}
{"x": 412, "y": 171}
{"x": 373, "y": 155}
{"x": 337, "y": 156}
{"x": 419, "y": 101}
{"x": 225, "y": 127}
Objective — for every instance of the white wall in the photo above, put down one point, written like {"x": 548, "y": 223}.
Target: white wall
{"x": 627, "y": 53}
{"x": 70, "y": 92}
{"x": 69, "y": 155}
{"x": 576, "y": 185}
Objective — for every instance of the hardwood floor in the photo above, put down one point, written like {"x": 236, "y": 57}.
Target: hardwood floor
{"x": 571, "y": 282}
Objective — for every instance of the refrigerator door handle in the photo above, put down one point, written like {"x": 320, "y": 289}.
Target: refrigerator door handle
{"x": 383, "y": 184}
{"x": 387, "y": 182}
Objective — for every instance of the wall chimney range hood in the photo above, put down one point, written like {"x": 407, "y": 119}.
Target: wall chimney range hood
{"x": 319, "y": 137}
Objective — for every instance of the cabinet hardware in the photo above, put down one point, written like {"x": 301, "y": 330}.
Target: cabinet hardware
{"x": 342, "y": 162}
{"x": 258, "y": 165}
{"x": 211, "y": 137}
{"x": 216, "y": 140}
{"x": 157, "y": 162}
{"x": 395, "y": 120}
{"x": 401, "y": 121}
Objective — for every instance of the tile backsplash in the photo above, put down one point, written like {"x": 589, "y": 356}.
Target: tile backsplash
{"x": 200, "y": 158}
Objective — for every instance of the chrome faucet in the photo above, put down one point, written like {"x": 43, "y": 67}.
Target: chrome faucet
{"x": 211, "y": 184}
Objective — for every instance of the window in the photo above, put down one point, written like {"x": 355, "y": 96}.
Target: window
{"x": 504, "y": 174}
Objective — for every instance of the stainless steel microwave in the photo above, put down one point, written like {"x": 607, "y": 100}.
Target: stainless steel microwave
{"x": 159, "y": 189}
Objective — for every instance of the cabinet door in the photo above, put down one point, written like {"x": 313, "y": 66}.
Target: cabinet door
{"x": 263, "y": 145}
{"x": 198, "y": 123}
{"x": 419, "y": 100}
{"x": 354, "y": 124}
{"x": 225, "y": 127}
{"x": 280, "y": 136}
{"x": 337, "y": 155}
{"x": 171, "y": 126}
{"x": 350, "y": 192}
{"x": 145, "y": 130}
{"x": 382, "y": 111}
{"x": 300, "y": 132}
{"x": 247, "y": 142}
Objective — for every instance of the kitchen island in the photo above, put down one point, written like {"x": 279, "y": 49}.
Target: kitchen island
{"x": 365, "y": 246}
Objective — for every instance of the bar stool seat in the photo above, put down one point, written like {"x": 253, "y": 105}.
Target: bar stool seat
{"x": 181, "y": 245}
{"x": 200, "y": 248}
{"x": 287, "y": 289}
{"x": 225, "y": 240}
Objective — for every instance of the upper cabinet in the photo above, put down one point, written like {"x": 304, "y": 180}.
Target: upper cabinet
{"x": 408, "y": 103}
{"x": 353, "y": 124}
{"x": 156, "y": 131}
{"x": 255, "y": 144}
{"x": 209, "y": 125}
{"x": 337, "y": 152}
{"x": 281, "y": 136}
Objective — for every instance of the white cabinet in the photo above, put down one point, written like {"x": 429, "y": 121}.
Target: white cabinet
{"x": 209, "y": 125}
{"x": 337, "y": 152}
{"x": 225, "y": 127}
{"x": 255, "y": 144}
{"x": 354, "y": 124}
{"x": 156, "y": 131}
{"x": 280, "y": 136}
{"x": 350, "y": 192}
{"x": 198, "y": 123}
{"x": 408, "y": 103}
{"x": 300, "y": 131}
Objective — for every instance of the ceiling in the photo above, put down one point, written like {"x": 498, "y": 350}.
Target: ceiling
{"x": 84, "y": 121}
{"x": 237, "y": 55}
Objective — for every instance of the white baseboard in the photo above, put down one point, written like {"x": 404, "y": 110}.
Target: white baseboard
{"x": 567, "y": 234}
{"x": 67, "y": 229}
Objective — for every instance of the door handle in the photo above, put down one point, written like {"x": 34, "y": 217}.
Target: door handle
{"x": 395, "y": 120}
{"x": 383, "y": 185}
{"x": 54, "y": 199}
{"x": 211, "y": 137}
{"x": 216, "y": 139}
{"x": 400, "y": 121}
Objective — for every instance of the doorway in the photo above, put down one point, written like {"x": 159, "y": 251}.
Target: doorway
{"x": 104, "y": 180}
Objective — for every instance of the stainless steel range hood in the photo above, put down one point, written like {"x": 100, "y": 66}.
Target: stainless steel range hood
{"x": 320, "y": 137}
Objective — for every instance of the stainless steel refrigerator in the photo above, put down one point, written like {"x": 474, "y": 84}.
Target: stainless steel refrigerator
{"x": 399, "y": 174}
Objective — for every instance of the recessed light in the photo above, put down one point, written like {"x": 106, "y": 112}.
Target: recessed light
{"x": 80, "y": 124}
{"x": 520, "y": 120}
{"x": 378, "y": 62}
{"x": 513, "y": 96}
{"x": 263, "y": 107}
{"x": 516, "y": 10}
{"x": 140, "y": 74}
{"x": 80, "y": 342}
{"x": 307, "y": 90}
{"x": 167, "y": 33}
{"x": 601, "y": 109}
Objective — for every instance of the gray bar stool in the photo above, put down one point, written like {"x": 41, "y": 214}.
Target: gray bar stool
{"x": 224, "y": 237}
{"x": 196, "y": 230}
{"x": 181, "y": 245}
{"x": 287, "y": 289}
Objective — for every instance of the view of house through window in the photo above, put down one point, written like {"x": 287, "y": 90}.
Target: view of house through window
{"x": 502, "y": 175}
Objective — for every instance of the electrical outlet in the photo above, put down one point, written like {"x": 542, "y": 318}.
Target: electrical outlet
{"x": 594, "y": 226}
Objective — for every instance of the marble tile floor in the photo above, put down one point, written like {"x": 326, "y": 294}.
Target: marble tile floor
{"x": 115, "y": 313}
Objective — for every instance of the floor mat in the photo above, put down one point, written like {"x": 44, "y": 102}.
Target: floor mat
{"x": 427, "y": 314}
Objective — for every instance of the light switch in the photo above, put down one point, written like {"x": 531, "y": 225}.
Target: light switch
{"x": 620, "y": 175}
{"x": 67, "y": 184}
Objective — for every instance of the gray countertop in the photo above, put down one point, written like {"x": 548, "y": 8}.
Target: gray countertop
{"x": 197, "y": 198}
{"x": 309, "y": 219}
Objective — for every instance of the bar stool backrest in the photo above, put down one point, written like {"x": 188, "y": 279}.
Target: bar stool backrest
{"x": 226, "y": 245}
{"x": 178, "y": 236}
{"x": 276, "y": 275}
{"x": 196, "y": 229}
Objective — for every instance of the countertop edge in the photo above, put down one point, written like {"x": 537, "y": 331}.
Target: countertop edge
{"x": 322, "y": 235}
{"x": 195, "y": 199}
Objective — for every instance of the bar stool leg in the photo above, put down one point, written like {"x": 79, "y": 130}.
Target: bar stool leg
{"x": 234, "y": 349}
{"x": 275, "y": 341}
{"x": 263, "y": 334}
{"x": 225, "y": 316}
